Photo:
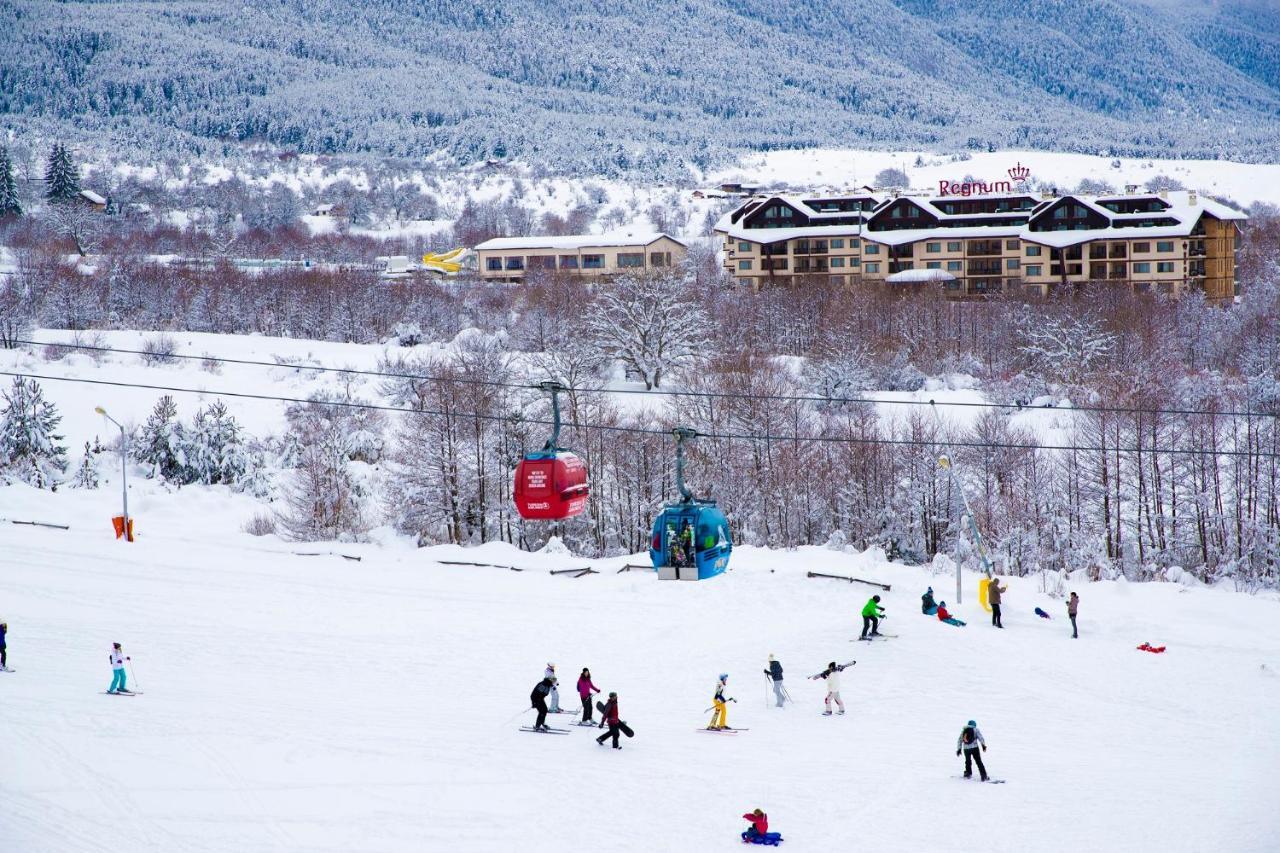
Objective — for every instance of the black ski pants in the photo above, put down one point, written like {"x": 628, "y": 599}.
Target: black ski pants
{"x": 586, "y": 708}
{"x": 995, "y": 615}
{"x": 970, "y": 756}
{"x": 614, "y": 731}
{"x": 4, "y": 657}
{"x": 541, "y": 705}
{"x": 870, "y": 624}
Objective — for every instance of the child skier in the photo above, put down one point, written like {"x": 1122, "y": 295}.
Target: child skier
{"x": 759, "y": 825}
{"x": 1073, "y": 607}
{"x": 832, "y": 676}
{"x": 927, "y": 605}
{"x": 585, "y": 689}
{"x": 969, "y": 742}
{"x": 539, "y": 699}
{"x": 945, "y": 616}
{"x": 994, "y": 590}
{"x": 550, "y": 673}
{"x": 720, "y": 719}
{"x": 118, "y": 658}
{"x": 611, "y": 718}
{"x": 774, "y": 672}
{"x": 872, "y": 613}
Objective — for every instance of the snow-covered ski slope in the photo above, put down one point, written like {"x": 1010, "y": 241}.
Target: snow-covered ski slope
{"x": 312, "y": 703}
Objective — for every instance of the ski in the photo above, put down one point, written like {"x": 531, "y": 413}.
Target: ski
{"x": 586, "y": 725}
{"x": 721, "y": 731}
{"x": 544, "y": 731}
{"x": 117, "y": 693}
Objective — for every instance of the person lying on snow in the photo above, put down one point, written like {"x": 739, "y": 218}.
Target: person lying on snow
{"x": 927, "y": 605}
{"x": 945, "y": 616}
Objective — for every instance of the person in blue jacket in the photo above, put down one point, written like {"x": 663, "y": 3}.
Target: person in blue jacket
{"x": 927, "y": 605}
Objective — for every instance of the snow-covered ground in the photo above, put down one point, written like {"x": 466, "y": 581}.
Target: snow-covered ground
{"x": 313, "y": 703}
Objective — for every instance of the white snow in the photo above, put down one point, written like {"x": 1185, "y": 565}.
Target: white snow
{"x": 575, "y": 241}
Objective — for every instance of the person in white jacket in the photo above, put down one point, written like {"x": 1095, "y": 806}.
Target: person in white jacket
{"x": 118, "y": 658}
{"x": 832, "y": 676}
{"x": 554, "y": 704}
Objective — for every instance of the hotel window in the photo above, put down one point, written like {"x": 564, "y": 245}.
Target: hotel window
{"x": 568, "y": 262}
{"x": 630, "y": 259}
{"x": 855, "y": 262}
{"x": 659, "y": 259}
{"x": 1033, "y": 251}
{"x": 1141, "y": 267}
{"x": 542, "y": 262}
{"x": 1141, "y": 248}
{"x": 853, "y": 242}
{"x": 593, "y": 262}
{"x": 1164, "y": 246}
{"x": 744, "y": 246}
{"x": 933, "y": 265}
{"x": 871, "y": 249}
{"x": 515, "y": 263}
{"x": 744, "y": 265}
{"x": 493, "y": 264}
{"x": 1011, "y": 245}
{"x": 1164, "y": 266}
{"x": 1033, "y": 270}
{"x": 1012, "y": 264}
{"x": 837, "y": 244}
{"x": 873, "y": 267}
{"x": 933, "y": 247}
{"x": 837, "y": 262}
{"x": 955, "y": 266}
{"x": 953, "y": 246}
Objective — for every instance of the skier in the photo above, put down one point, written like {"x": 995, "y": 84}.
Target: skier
{"x": 117, "y": 670}
{"x": 550, "y": 673}
{"x": 4, "y": 650}
{"x": 720, "y": 719}
{"x": 927, "y": 605}
{"x": 611, "y": 717}
{"x": 774, "y": 672}
{"x": 871, "y": 616}
{"x": 585, "y": 689}
{"x": 969, "y": 742}
{"x": 1073, "y": 607}
{"x": 945, "y": 616}
{"x": 832, "y": 676}
{"x": 993, "y": 598}
{"x": 539, "y": 699}
{"x": 759, "y": 825}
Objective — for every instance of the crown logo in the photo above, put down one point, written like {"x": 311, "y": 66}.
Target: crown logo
{"x": 1020, "y": 173}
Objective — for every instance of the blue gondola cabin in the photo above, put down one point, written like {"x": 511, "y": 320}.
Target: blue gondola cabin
{"x": 690, "y": 540}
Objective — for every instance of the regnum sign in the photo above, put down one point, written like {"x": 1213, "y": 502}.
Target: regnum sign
{"x": 1018, "y": 176}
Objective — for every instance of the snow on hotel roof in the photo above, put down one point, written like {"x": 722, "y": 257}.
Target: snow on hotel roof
{"x": 576, "y": 241}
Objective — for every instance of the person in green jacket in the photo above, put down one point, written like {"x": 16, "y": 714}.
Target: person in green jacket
{"x": 871, "y": 616}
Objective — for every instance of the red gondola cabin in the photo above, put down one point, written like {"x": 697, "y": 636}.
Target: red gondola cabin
{"x": 551, "y": 485}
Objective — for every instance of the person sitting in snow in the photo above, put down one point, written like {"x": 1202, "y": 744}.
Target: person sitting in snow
{"x": 945, "y": 616}
{"x": 927, "y": 605}
{"x": 759, "y": 825}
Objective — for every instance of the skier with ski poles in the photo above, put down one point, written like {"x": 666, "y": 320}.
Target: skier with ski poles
{"x": 969, "y": 742}
{"x": 994, "y": 591}
{"x": 118, "y": 679}
{"x": 872, "y": 613}
{"x": 539, "y": 699}
{"x": 610, "y": 715}
{"x": 774, "y": 675}
{"x": 585, "y": 689}
{"x": 720, "y": 719}
{"x": 832, "y": 676}
{"x": 550, "y": 673}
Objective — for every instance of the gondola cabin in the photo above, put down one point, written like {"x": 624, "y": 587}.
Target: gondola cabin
{"x": 708, "y": 533}
{"x": 551, "y": 485}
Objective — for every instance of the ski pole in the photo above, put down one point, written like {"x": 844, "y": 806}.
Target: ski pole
{"x": 132, "y": 674}
{"x": 767, "y": 679}
{"x": 514, "y": 717}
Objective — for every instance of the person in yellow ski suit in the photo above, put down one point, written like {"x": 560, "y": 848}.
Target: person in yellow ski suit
{"x": 720, "y": 718}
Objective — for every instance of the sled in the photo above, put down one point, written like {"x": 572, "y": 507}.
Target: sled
{"x": 1147, "y": 647}
{"x": 983, "y": 585}
{"x": 1042, "y": 614}
{"x": 769, "y": 839}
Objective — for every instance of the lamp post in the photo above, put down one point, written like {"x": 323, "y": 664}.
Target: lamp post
{"x": 124, "y": 468}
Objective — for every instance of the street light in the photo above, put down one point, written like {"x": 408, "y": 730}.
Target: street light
{"x": 124, "y": 468}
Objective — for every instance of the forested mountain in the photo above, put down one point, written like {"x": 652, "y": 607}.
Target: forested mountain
{"x": 649, "y": 85}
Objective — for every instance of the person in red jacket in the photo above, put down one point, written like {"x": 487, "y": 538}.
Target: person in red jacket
{"x": 611, "y": 718}
{"x": 759, "y": 823}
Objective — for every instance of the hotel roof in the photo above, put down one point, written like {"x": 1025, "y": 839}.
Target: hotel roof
{"x": 576, "y": 241}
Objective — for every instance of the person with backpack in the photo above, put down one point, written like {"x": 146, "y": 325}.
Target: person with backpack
{"x": 585, "y": 689}
{"x": 118, "y": 658}
{"x": 994, "y": 590}
{"x": 945, "y": 616}
{"x": 610, "y": 715}
{"x": 720, "y": 718}
{"x": 832, "y": 676}
{"x": 972, "y": 744}
{"x": 872, "y": 613}
{"x": 1073, "y": 607}
{"x": 927, "y": 605}
{"x": 550, "y": 673}
{"x": 538, "y": 697}
{"x": 774, "y": 672}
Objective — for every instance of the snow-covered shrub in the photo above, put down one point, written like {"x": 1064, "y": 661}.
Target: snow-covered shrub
{"x": 262, "y": 524}
{"x": 30, "y": 450}
{"x": 407, "y": 334}
{"x": 159, "y": 349}
{"x": 86, "y": 476}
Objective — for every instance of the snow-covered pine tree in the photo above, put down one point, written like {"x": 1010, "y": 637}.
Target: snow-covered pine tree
{"x": 9, "y": 203}
{"x": 61, "y": 178}
{"x": 324, "y": 501}
{"x": 87, "y": 474}
{"x": 29, "y": 448}
{"x": 216, "y": 452}
{"x": 162, "y": 443}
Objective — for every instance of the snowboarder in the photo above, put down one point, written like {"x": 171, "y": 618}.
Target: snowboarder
{"x": 774, "y": 672}
{"x": 585, "y": 689}
{"x": 945, "y": 616}
{"x": 118, "y": 658}
{"x": 539, "y": 699}
{"x": 1073, "y": 607}
{"x": 720, "y": 719}
{"x": 550, "y": 673}
{"x": 927, "y": 605}
{"x": 872, "y": 613}
{"x": 832, "y": 676}
{"x": 759, "y": 825}
{"x": 4, "y": 649}
{"x": 610, "y": 717}
{"x": 969, "y": 742}
{"x": 994, "y": 591}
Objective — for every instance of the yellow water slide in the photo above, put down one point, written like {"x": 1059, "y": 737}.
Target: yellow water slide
{"x": 446, "y": 263}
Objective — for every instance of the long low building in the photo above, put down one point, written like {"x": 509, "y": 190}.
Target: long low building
{"x": 1165, "y": 242}
{"x": 510, "y": 258}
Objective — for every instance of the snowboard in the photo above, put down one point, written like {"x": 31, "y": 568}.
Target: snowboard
{"x": 769, "y": 839}
{"x": 989, "y": 780}
{"x": 547, "y": 732}
{"x": 625, "y": 729}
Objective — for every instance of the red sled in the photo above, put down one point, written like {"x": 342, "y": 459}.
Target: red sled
{"x": 1147, "y": 647}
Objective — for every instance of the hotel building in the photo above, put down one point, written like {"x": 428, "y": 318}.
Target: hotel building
{"x": 1167, "y": 242}
{"x": 509, "y": 258}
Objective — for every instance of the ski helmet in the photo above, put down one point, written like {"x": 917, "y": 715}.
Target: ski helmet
{"x": 973, "y": 723}
{"x": 613, "y": 695}
{"x": 724, "y": 676}
{"x": 875, "y": 598}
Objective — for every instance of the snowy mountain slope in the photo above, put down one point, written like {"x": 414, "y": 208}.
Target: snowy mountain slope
{"x": 315, "y": 704}
{"x": 642, "y": 87}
